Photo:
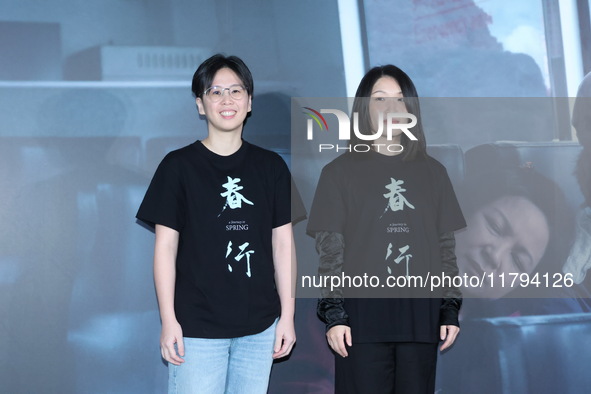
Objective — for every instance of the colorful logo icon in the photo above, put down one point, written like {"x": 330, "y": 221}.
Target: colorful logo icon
{"x": 317, "y": 117}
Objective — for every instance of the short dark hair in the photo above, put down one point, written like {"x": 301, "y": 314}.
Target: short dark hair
{"x": 412, "y": 149}
{"x": 206, "y": 72}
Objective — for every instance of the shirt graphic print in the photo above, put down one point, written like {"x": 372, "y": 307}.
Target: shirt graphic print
{"x": 397, "y": 202}
{"x": 234, "y": 200}
{"x": 233, "y": 197}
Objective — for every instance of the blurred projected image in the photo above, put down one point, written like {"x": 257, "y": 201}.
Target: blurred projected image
{"x": 515, "y": 217}
{"x": 579, "y": 259}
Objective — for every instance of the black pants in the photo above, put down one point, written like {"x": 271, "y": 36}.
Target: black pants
{"x": 388, "y": 368}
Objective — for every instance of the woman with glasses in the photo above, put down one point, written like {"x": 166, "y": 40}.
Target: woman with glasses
{"x": 224, "y": 258}
{"x": 387, "y": 214}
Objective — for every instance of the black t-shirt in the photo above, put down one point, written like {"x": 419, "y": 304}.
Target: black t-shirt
{"x": 224, "y": 208}
{"x": 391, "y": 213}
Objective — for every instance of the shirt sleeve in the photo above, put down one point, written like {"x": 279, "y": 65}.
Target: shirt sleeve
{"x": 331, "y": 308}
{"x": 164, "y": 202}
{"x": 452, "y": 295}
{"x": 288, "y": 203}
{"x": 328, "y": 210}
{"x": 450, "y": 217}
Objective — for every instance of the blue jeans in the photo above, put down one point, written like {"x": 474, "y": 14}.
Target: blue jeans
{"x": 224, "y": 366}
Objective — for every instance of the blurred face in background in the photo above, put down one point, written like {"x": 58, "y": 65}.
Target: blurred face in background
{"x": 508, "y": 235}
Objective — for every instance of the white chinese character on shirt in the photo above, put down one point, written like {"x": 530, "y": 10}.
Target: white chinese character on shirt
{"x": 400, "y": 257}
{"x": 240, "y": 255}
{"x": 396, "y": 201}
{"x": 233, "y": 198}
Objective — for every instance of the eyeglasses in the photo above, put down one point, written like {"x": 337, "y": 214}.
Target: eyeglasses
{"x": 215, "y": 93}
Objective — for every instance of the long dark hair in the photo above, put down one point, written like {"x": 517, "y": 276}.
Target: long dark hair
{"x": 412, "y": 149}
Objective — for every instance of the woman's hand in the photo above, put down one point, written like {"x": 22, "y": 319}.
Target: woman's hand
{"x": 337, "y": 336}
{"x": 172, "y": 334}
{"x": 284, "y": 337}
{"x": 448, "y": 334}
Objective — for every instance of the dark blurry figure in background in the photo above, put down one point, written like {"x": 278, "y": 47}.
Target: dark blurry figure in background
{"x": 518, "y": 222}
{"x": 579, "y": 260}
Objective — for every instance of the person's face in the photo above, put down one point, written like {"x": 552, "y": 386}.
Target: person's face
{"x": 507, "y": 236}
{"x": 386, "y": 97}
{"x": 227, "y": 114}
